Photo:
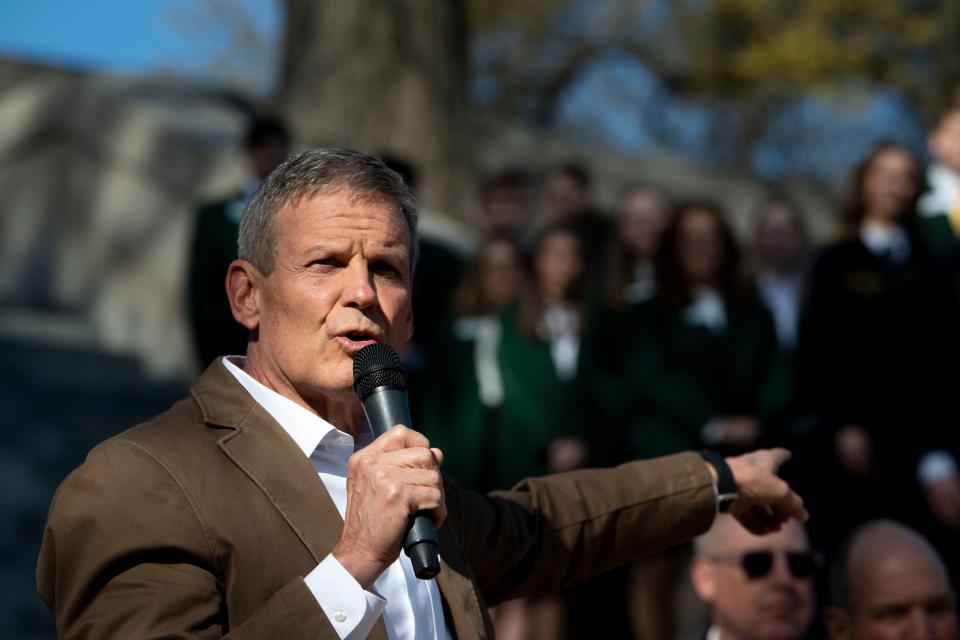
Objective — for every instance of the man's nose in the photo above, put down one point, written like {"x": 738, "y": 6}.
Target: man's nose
{"x": 780, "y": 572}
{"x": 358, "y": 290}
{"x": 919, "y": 625}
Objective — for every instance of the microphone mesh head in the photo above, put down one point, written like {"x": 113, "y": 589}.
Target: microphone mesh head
{"x": 377, "y": 365}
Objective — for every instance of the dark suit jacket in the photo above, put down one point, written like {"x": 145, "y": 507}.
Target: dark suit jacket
{"x": 213, "y": 248}
{"x": 203, "y": 521}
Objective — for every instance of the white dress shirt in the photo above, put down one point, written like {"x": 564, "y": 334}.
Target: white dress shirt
{"x": 411, "y": 608}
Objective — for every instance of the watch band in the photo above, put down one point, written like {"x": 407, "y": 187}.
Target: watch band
{"x": 726, "y": 484}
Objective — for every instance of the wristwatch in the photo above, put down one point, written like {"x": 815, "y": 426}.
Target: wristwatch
{"x": 726, "y": 486}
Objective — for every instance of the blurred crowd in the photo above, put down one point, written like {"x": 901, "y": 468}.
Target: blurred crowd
{"x": 578, "y": 337}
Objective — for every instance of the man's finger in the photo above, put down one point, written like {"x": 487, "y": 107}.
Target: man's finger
{"x": 437, "y": 455}
{"x": 421, "y": 477}
{"x": 399, "y": 437}
{"x": 793, "y": 506}
{"x": 413, "y": 457}
{"x": 780, "y": 456}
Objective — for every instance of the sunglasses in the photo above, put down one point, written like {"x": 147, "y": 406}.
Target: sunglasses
{"x": 758, "y": 564}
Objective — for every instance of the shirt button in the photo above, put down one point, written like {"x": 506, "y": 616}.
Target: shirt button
{"x": 339, "y": 614}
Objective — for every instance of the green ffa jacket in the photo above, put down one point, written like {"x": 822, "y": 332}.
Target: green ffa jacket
{"x": 495, "y": 445}
{"x": 675, "y": 376}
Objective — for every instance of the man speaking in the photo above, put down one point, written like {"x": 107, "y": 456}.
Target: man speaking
{"x": 261, "y": 506}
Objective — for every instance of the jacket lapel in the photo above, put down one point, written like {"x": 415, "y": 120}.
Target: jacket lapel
{"x": 468, "y": 617}
{"x": 263, "y": 451}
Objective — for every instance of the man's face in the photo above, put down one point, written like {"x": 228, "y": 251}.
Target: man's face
{"x": 564, "y": 196}
{"x": 341, "y": 280}
{"x": 642, "y": 218}
{"x": 504, "y": 210}
{"x": 773, "y": 606}
{"x": 901, "y": 598}
{"x": 780, "y": 240}
{"x": 700, "y": 246}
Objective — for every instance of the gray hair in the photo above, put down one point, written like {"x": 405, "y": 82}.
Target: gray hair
{"x": 319, "y": 171}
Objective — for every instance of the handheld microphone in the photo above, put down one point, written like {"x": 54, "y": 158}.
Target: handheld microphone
{"x": 381, "y": 384}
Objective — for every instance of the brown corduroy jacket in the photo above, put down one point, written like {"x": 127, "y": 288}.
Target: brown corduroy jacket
{"x": 202, "y": 522}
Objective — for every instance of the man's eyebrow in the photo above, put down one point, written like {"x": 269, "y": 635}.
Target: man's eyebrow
{"x": 326, "y": 247}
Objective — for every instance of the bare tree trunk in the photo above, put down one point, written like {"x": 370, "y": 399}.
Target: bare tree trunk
{"x": 383, "y": 76}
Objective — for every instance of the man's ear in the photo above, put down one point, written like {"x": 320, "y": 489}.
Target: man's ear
{"x": 837, "y": 623}
{"x": 703, "y": 577}
{"x": 244, "y": 282}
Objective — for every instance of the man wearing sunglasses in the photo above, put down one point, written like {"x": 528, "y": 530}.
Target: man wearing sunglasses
{"x": 757, "y": 587}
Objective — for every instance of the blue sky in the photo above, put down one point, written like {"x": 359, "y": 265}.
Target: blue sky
{"x": 144, "y": 36}
{"x": 128, "y": 36}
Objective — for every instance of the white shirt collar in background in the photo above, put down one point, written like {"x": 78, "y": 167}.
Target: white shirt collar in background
{"x": 885, "y": 239}
{"x": 706, "y": 310}
{"x": 944, "y": 193}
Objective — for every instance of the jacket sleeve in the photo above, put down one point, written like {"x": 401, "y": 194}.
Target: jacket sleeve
{"x": 126, "y": 554}
{"x": 552, "y": 532}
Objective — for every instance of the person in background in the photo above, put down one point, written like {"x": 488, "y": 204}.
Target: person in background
{"x": 698, "y": 366}
{"x": 565, "y": 199}
{"x": 539, "y": 360}
{"x": 266, "y": 144}
{"x": 641, "y": 214}
{"x": 940, "y": 205}
{"x": 699, "y": 359}
{"x": 940, "y": 228}
{"x": 756, "y": 587}
{"x": 781, "y": 247}
{"x": 866, "y": 365}
{"x": 505, "y": 205}
{"x": 888, "y": 583}
{"x": 464, "y": 388}
{"x": 539, "y": 357}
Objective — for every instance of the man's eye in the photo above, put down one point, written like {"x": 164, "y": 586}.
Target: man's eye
{"x": 892, "y": 613}
{"x": 325, "y": 263}
{"x": 384, "y": 268}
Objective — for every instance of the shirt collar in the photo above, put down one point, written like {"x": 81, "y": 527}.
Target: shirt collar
{"x": 885, "y": 239}
{"x": 307, "y": 429}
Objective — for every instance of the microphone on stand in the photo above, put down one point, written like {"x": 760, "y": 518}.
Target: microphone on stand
{"x": 381, "y": 384}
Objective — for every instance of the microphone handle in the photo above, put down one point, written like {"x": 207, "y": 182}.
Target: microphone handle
{"x": 386, "y": 407}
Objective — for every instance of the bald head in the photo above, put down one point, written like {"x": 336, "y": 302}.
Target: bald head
{"x": 886, "y": 550}
{"x": 888, "y": 579}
